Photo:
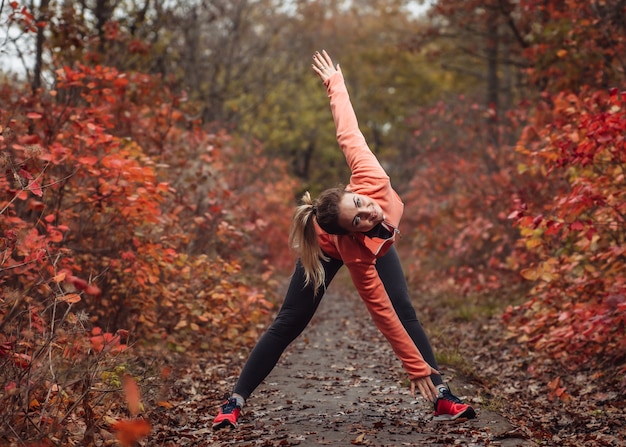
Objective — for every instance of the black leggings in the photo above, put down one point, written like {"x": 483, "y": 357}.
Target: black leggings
{"x": 300, "y": 305}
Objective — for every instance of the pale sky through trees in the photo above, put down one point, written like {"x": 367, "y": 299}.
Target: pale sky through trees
{"x": 16, "y": 47}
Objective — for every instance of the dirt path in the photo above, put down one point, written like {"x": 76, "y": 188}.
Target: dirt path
{"x": 338, "y": 384}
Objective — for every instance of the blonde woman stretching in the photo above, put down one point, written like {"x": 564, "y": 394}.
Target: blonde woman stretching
{"x": 356, "y": 226}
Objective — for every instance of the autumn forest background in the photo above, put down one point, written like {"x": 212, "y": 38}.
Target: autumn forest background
{"x": 152, "y": 154}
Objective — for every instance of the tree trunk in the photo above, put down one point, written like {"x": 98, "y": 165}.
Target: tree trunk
{"x": 43, "y": 15}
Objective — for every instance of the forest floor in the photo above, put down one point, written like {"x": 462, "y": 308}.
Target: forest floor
{"x": 340, "y": 384}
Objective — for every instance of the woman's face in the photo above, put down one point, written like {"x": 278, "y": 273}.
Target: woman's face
{"x": 359, "y": 213}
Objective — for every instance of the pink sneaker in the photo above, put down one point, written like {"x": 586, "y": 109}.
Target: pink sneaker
{"x": 448, "y": 407}
{"x": 227, "y": 417}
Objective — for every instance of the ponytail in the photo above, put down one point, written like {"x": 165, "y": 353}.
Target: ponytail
{"x": 303, "y": 238}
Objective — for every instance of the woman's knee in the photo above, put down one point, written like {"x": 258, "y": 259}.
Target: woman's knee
{"x": 289, "y": 324}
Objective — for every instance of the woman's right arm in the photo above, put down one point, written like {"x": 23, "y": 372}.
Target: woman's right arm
{"x": 374, "y": 295}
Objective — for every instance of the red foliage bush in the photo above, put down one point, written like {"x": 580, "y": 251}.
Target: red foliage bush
{"x": 555, "y": 167}
{"x": 576, "y": 310}
{"x": 120, "y": 212}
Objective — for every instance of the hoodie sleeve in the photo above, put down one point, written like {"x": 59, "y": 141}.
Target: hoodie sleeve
{"x": 366, "y": 169}
{"x": 373, "y": 293}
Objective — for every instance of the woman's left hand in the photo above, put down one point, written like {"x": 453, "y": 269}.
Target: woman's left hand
{"x": 323, "y": 65}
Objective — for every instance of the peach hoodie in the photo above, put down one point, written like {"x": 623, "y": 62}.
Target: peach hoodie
{"x": 359, "y": 252}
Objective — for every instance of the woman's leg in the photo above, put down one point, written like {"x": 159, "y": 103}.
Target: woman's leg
{"x": 294, "y": 315}
{"x": 391, "y": 274}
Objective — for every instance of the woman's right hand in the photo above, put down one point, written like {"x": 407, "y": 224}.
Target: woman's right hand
{"x": 425, "y": 386}
{"x": 323, "y": 65}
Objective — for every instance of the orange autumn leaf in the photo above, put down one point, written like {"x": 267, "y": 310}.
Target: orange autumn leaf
{"x": 165, "y": 372}
{"x": 70, "y": 298}
{"x": 100, "y": 341}
{"x": 97, "y": 343}
{"x": 133, "y": 395}
{"x": 35, "y": 188}
{"x": 60, "y": 277}
{"x": 554, "y": 383}
{"x": 129, "y": 431}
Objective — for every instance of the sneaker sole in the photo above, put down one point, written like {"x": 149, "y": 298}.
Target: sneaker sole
{"x": 223, "y": 424}
{"x": 465, "y": 415}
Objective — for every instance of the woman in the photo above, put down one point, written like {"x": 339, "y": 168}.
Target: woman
{"x": 355, "y": 226}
